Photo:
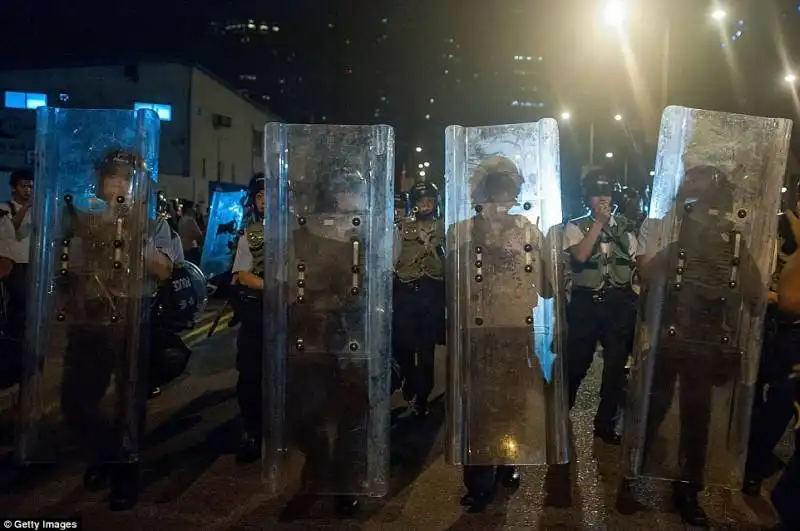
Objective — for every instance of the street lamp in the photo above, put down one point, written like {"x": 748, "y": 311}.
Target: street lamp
{"x": 422, "y": 173}
{"x": 618, "y": 117}
{"x": 790, "y": 78}
{"x": 566, "y": 115}
{"x": 609, "y": 155}
{"x": 719, "y": 15}
{"x": 426, "y": 164}
{"x": 419, "y": 149}
{"x": 614, "y": 14}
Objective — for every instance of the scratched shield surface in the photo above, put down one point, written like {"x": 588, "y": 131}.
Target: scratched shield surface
{"x": 88, "y": 315}
{"x": 506, "y": 397}
{"x": 327, "y": 350}
{"x": 710, "y": 249}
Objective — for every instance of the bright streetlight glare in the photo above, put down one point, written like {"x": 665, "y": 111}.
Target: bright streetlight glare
{"x": 618, "y": 117}
{"x": 614, "y": 13}
{"x": 652, "y": 173}
{"x": 719, "y": 14}
{"x": 422, "y": 174}
{"x": 565, "y": 115}
{"x": 419, "y": 149}
{"x": 790, "y": 78}
{"x": 784, "y": 190}
{"x": 420, "y": 166}
{"x": 609, "y": 155}
{"x": 426, "y": 164}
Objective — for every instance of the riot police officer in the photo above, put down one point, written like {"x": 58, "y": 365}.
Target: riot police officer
{"x": 86, "y": 376}
{"x": 601, "y": 249}
{"x": 248, "y": 266}
{"x": 419, "y": 296}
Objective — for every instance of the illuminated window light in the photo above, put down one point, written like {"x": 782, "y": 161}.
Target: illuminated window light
{"x": 163, "y": 110}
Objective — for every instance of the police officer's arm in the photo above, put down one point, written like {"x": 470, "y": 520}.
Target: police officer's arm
{"x": 158, "y": 256}
{"x": 243, "y": 265}
{"x": 789, "y": 283}
{"x": 582, "y": 250}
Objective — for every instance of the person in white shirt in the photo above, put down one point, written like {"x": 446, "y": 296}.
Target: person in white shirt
{"x": 15, "y": 241}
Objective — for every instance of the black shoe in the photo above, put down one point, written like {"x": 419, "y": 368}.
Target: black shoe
{"x": 508, "y": 476}
{"x": 689, "y": 508}
{"x": 249, "y": 450}
{"x": 96, "y": 477}
{"x": 477, "y": 501}
{"x": 608, "y": 436}
{"x": 346, "y": 505}
{"x": 124, "y": 494}
{"x": 751, "y": 487}
{"x": 421, "y": 411}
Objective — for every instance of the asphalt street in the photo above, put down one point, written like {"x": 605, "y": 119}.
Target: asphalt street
{"x": 191, "y": 481}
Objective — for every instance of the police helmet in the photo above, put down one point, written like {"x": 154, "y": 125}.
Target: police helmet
{"x": 598, "y": 183}
{"x": 118, "y": 161}
{"x": 708, "y": 184}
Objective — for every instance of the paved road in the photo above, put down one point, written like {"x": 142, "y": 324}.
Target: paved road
{"x": 191, "y": 480}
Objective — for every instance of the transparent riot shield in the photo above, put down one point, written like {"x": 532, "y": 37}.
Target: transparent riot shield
{"x": 82, "y": 389}
{"x": 506, "y": 397}
{"x": 707, "y": 250}
{"x": 225, "y": 220}
{"x": 328, "y": 303}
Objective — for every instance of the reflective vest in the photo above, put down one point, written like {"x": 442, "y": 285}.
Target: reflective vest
{"x": 420, "y": 250}
{"x": 255, "y": 242}
{"x": 600, "y": 270}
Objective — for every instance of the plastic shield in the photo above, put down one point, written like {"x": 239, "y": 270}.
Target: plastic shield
{"x": 328, "y": 302}
{"x": 506, "y": 397}
{"x": 708, "y": 248}
{"x": 81, "y": 389}
{"x": 222, "y": 231}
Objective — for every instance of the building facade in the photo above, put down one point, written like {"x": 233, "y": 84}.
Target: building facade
{"x": 209, "y": 132}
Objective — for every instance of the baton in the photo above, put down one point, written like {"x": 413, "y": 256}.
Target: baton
{"x": 217, "y": 319}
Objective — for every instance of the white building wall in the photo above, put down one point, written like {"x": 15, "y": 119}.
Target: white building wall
{"x": 222, "y": 152}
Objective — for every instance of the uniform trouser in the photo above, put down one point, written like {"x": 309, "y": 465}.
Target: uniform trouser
{"x": 481, "y": 478}
{"x": 606, "y": 317}
{"x": 249, "y": 363}
{"x": 698, "y": 374}
{"x": 773, "y": 414}
{"x": 16, "y": 288}
{"x": 94, "y": 354}
{"x": 323, "y": 395}
{"x": 417, "y": 323}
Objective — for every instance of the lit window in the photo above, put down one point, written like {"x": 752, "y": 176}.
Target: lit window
{"x": 25, "y": 100}
{"x": 163, "y": 110}
{"x": 276, "y": 28}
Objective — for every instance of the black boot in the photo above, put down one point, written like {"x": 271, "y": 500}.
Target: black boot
{"x": 687, "y": 504}
{"x": 96, "y": 477}
{"x": 752, "y": 486}
{"x": 608, "y": 435}
{"x": 346, "y": 505}
{"x": 124, "y": 493}
{"x": 249, "y": 450}
{"x": 477, "y": 501}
